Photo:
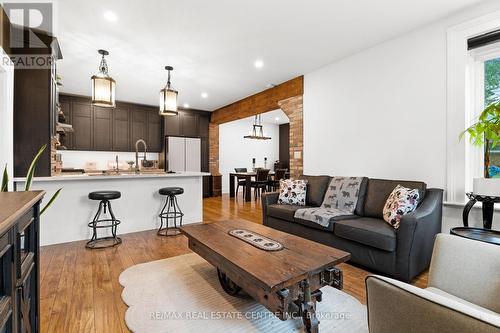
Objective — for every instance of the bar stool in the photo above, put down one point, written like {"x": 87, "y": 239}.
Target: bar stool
{"x": 173, "y": 212}
{"x": 103, "y": 242}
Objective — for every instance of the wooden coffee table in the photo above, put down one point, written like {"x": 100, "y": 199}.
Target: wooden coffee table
{"x": 286, "y": 281}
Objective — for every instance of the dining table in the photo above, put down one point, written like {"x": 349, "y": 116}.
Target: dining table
{"x": 234, "y": 176}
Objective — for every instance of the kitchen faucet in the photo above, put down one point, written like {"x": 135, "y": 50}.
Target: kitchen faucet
{"x": 137, "y": 153}
{"x": 117, "y": 165}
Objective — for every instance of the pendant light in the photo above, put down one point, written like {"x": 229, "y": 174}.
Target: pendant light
{"x": 168, "y": 98}
{"x": 103, "y": 86}
{"x": 257, "y": 132}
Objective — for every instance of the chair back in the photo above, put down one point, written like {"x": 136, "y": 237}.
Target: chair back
{"x": 279, "y": 174}
{"x": 262, "y": 175}
{"x": 240, "y": 169}
{"x": 467, "y": 269}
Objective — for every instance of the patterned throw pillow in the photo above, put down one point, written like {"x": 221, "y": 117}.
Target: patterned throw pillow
{"x": 401, "y": 201}
{"x": 293, "y": 192}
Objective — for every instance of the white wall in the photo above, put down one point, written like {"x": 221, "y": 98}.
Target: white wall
{"x": 382, "y": 112}
{"x": 77, "y": 158}
{"x": 6, "y": 115}
{"x": 237, "y": 152}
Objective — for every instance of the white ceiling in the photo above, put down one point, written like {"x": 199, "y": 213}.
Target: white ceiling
{"x": 276, "y": 117}
{"x": 213, "y": 44}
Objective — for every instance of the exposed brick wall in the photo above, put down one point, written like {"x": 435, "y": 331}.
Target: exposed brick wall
{"x": 213, "y": 150}
{"x": 288, "y": 97}
{"x": 293, "y": 108}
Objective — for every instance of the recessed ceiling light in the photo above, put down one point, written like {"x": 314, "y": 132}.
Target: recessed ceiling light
{"x": 110, "y": 16}
{"x": 277, "y": 118}
{"x": 204, "y": 95}
{"x": 258, "y": 63}
{"x": 186, "y": 105}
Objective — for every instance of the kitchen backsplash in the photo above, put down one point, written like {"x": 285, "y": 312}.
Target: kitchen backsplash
{"x": 78, "y": 159}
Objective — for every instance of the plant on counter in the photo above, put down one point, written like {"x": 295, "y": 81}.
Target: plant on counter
{"x": 29, "y": 179}
{"x": 486, "y": 132}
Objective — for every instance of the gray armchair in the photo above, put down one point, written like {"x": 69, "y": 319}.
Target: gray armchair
{"x": 463, "y": 293}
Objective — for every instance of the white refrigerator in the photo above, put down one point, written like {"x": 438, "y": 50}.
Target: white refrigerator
{"x": 182, "y": 154}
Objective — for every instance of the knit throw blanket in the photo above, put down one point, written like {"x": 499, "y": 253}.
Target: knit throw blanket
{"x": 340, "y": 199}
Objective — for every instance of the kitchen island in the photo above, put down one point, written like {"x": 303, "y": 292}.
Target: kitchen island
{"x": 138, "y": 208}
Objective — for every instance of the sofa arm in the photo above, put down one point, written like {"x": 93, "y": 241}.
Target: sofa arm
{"x": 415, "y": 236}
{"x": 394, "y": 306}
{"x": 269, "y": 198}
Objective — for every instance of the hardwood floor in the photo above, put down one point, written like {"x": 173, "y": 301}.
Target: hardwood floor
{"x": 80, "y": 290}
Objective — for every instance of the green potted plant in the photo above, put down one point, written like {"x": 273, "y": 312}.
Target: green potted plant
{"x": 29, "y": 179}
{"x": 486, "y": 133}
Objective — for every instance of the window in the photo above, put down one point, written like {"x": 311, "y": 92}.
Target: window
{"x": 492, "y": 95}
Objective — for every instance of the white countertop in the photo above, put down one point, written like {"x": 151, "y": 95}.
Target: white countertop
{"x": 124, "y": 175}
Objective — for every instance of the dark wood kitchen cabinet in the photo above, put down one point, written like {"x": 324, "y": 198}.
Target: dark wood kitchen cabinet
{"x": 154, "y": 125}
{"x": 102, "y": 128}
{"x": 138, "y": 129}
{"x": 172, "y": 125}
{"x": 189, "y": 123}
{"x": 121, "y": 128}
{"x": 81, "y": 119}
{"x": 108, "y": 129}
{"x": 20, "y": 261}
{"x": 35, "y": 99}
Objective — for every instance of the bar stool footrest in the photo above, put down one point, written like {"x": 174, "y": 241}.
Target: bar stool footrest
{"x": 170, "y": 231}
{"x": 95, "y": 224}
{"x": 103, "y": 242}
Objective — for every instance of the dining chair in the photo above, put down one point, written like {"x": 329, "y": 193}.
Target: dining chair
{"x": 279, "y": 174}
{"x": 241, "y": 181}
{"x": 260, "y": 183}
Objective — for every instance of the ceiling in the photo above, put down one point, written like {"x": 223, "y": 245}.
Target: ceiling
{"x": 213, "y": 45}
{"x": 276, "y": 117}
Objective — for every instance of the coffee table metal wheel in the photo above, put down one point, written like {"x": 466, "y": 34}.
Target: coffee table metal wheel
{"x": 229, "y": 286}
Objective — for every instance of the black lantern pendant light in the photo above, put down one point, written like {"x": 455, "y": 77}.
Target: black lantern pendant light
{"x": 168, "y": 98}
{"x": 103, "y": 86}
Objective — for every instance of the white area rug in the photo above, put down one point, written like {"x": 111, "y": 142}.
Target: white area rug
{"x": 182, "y": 294}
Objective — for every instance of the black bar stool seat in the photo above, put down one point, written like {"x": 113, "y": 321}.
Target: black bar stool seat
{"x": 171, "y": 191}
{"x": 173, "y": 212}
{"x": 112, "y": 223}
{"x": 104, "y": 195}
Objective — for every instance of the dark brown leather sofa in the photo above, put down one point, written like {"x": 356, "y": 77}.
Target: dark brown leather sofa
{"x": 403, "y": 253}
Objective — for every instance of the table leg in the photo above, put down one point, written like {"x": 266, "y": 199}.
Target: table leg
{"x": 231, "y": 186}
{"x": 467, "y": 208}
{"x": 487, "y": 214}
{"x": 308, "y": 309}
{"x": 248, "y": 188}
{"x": 229, "y": 286}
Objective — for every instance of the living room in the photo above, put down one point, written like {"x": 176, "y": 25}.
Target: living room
{"x": 280, "y": 166}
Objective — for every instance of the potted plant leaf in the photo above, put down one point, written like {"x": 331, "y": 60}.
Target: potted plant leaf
{"x": 29, "y": 179}
{"x": 486, "y": 133}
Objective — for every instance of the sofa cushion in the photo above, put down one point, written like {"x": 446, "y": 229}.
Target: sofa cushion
{"x": 316, "y": 189}
{"x": 368, "y": 231}
{"x": 378, "y": 190}
{"x": 284, "y": 212}
{"x": 401, "y": 201}
{"x": 360, "y": 206}
{"x": 331, "y": 222}
{"x": 292, "y": 192}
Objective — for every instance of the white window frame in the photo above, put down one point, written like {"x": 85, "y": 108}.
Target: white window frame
{"x": 475, "y": 155}
{"x": 465, "y": 95}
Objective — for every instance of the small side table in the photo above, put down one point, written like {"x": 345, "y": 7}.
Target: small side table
{"x": 488, "y": 208}
{"x": 479, "y": 234}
